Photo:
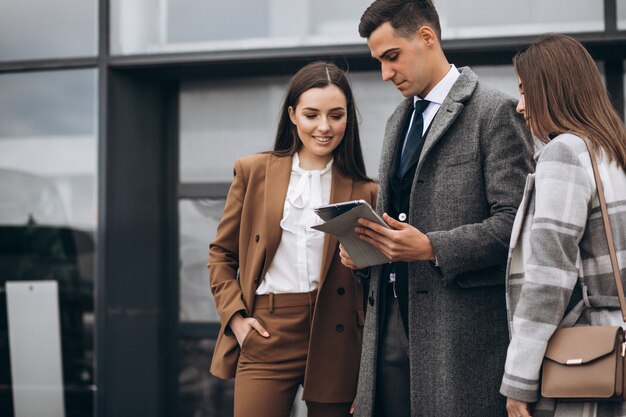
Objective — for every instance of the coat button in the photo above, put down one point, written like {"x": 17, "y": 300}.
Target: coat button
{"x": 339, "y": 328}
{"x": 256, "y": 238}
{"x": 371, "y": 300}
{"x": 402, "y": 217}
{"x": 341, "y": 291}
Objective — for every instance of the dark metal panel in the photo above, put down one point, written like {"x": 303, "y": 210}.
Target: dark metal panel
{"x": 132, "y": 370}
{"x": 170, "y": 295}
{"x": 136, "y": 192}
{"x": 610, "y": 15}
{"x": 100, "y": 295}
{"x": 614, "y": 73}
{"x": 47, "y": 64}
{"x": 136, "y": 334}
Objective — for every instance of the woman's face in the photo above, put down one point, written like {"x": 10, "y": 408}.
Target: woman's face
{"x": 320, "y": 117}
{"x": 521, "y": 105}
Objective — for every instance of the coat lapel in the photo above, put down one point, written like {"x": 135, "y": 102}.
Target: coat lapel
{"x": 393, "y": 132}
{"x": 277, "y": 175}
{"x": 340, "y": 191}
{"x": 449, "y": 111}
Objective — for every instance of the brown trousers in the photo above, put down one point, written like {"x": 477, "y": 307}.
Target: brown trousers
{"x": 270, "y": 370}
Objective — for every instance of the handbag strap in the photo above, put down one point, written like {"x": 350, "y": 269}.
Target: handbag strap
{"x": 608, "y": 232}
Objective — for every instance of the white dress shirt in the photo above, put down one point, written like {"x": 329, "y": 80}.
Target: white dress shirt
{"x": 297, "y": 264}
{"x": 436, "y": 97}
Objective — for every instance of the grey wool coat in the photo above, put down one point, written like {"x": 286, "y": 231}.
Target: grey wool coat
{"x": 467, "y": 187}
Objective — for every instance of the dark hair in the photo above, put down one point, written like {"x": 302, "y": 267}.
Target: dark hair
{"x": 405, "y": 16}
{"x": 563, "y": 92}
{"x": 348, "y": 156}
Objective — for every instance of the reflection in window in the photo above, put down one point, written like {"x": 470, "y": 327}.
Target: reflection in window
{"x": 184, "y": 25}
{"x": 501, "y": 77}
{"x": 213, "y": 134}
{"x": 467, "y": 19}
{"x": 200, "y": 393}
{"x": 222, "y": 121}
{"x": 198, "y": 226}
{"x": 621, "y": 14}
{"x": 375, "y": 101}
{"x": 48, "y": 148}
{"x": 48, "y": 154}
{"x": 141, "y": 26}
{"x": 38, "y": 29}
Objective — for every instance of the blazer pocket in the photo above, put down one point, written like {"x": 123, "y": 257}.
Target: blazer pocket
{"x": 460, "y": 159}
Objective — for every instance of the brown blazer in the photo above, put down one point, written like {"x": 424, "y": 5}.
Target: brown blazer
{"x": 246, "y": 242}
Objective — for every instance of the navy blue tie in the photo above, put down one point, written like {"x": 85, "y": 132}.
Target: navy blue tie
{"x": 414, "y": 138}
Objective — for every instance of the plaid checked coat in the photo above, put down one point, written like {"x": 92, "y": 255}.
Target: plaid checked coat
{"x": 557, "y": 243}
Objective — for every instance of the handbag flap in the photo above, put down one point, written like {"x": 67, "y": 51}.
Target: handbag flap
{"x": 583, "y": 344}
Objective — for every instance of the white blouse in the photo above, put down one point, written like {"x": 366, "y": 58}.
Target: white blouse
{"x": 297, "y": 264}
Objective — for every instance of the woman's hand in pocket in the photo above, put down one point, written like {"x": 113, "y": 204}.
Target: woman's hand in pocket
{"x": 242, "y": 326}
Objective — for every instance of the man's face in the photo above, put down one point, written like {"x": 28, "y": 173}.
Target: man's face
{"x": 404, "y": 61}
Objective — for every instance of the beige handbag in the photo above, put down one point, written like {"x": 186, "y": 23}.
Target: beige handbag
{"x": 587, "y": 362}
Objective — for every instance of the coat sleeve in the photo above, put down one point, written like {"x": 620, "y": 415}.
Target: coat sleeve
{"x": 562, "y": 201}
{"x": 506, "y": 160}
{"x": 224, "y": 252}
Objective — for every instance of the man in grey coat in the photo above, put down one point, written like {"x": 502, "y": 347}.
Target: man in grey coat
{"x": 452, "y": 172}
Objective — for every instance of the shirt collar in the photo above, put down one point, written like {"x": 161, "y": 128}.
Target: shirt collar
{"x": 295, "y": 166}
{"x": 443, "y": 87}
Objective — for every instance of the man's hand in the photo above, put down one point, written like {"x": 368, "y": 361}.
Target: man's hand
{"x": 242, "y": 326}
{"x": 402, "y": 242}
{"x": 346, "y": 260}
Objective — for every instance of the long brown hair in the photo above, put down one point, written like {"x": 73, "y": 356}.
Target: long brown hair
{"x": 563, "y": 92}
{"x": 348, "y": 156}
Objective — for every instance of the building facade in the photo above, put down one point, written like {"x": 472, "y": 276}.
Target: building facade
{"x": 120, "y": 121}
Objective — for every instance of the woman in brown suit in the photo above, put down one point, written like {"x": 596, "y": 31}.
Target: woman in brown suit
{"x": 291, "y": 314}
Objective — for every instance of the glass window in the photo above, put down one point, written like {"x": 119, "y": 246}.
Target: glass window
{"x": 48, "y": 167}
{"x": 185, "y": 25}
{"x": 198, "y": 226}
{"x": 222, "y": 121}
{"x": 621, "y": 14}
{"x": 200, "y": 394}
{"x": 467, "y": 19}
{"x": 141, "y": 26}
{"x": 500, "y": 77}
{"x": 213, "y": 135}
{"x": 34, "y": 29}
{"x": 375, "y": 100}
{"x": 225, "y": 120}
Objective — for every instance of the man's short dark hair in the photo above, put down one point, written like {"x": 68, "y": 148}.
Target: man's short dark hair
{"x": 405, "y": 16}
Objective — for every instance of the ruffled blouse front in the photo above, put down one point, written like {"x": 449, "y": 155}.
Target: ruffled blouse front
{"x": 297, "y": 264}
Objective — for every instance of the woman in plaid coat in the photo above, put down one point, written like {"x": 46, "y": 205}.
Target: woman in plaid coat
{"x": 558, "y": 243}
